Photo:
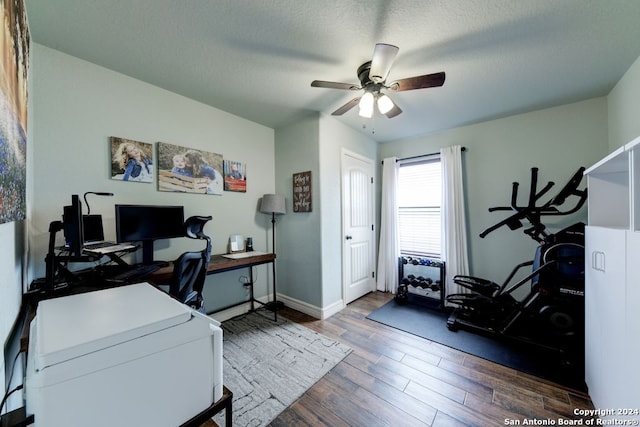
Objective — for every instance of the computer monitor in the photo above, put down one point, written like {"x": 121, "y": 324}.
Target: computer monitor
{"x": 147, "y": 223}
{"x": 73, "y": 226}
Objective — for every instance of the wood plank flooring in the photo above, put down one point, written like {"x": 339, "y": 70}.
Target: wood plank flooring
{"x": 393, "y": 378}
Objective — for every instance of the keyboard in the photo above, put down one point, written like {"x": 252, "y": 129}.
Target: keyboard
{"x": 137, "y": 271}
{"x": 241, "y": 255}
{"x": 98, "y": 245}
{"x": 107, "y": 248}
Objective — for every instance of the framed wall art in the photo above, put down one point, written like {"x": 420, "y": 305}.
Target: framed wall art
{"x": 131, "y": 160}
{"x": 187, "y": 170}
{"x": 235, "y": 176}
{"x": 14, "y": 47}
{"x": 302, "y": 192}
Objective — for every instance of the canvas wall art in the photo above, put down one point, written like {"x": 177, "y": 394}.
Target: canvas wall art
{"x": 131, "y": 160}
{"x": 187, "y": 170}
{"x": 14, "y": 46}
{"x": 235, "y": 176}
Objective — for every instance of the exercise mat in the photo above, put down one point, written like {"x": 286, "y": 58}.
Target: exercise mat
{"x": 423, "y": 318}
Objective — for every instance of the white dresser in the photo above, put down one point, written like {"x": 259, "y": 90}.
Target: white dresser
{"x": 128, "y": 356}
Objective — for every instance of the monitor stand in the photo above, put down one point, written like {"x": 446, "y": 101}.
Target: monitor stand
{"x": 147, "y": 251}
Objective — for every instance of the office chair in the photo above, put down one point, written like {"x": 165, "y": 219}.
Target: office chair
{"x": 190, "y": 269}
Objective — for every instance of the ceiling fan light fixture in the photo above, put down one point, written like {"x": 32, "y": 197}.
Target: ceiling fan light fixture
{"x": 366, "y": 105}
{"x": 383, "y": 57}
{"x": 373, "y": 77}
{"x": 385, "y": 104}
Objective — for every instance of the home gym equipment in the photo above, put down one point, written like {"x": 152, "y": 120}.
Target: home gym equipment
{"x": 429, "y": 283}
{"x": 551, "y": 314}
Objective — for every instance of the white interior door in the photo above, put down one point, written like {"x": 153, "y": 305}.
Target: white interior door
{"x": 357, "y": 226}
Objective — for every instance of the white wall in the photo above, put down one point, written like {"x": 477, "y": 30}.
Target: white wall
{"x": 334, "y": 137}
{"x": 310, "y": 244}
{"x": 12, "y": 238}
{"x": 556, "y": 140}
{"x": 298, "y": 233}
{"x": 78, "y": 106}
{"x": 624, "y": 108}
{"x": 12, "y": 247}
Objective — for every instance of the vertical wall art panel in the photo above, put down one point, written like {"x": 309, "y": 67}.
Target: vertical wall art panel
{"x": 302, "y": 192}
{"x": 14, "y": 46}
{"x": 235, "y": 176}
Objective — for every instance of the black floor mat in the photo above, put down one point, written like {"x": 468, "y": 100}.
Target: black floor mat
{"x": 422, "y": 318}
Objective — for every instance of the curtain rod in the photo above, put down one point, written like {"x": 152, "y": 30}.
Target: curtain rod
{"x": 423, "y": 155}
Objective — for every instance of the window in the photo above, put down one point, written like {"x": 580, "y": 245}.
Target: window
{"x": 419, "y": 199}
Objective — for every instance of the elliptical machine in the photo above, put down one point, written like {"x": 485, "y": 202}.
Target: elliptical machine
{"x": 551, "y": 315}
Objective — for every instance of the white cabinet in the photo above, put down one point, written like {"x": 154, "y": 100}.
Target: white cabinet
{"x": 605, "y": 278}
{"x": 633, "y": 319}
{"x": 612, "y": 280}
{"x": 608, "y": 186}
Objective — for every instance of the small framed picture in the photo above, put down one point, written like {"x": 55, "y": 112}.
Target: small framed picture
{"x": 235, "y": 176}
{"x": 302, "y": 192}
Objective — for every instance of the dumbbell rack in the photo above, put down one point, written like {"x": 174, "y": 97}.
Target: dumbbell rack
{"x": 421, "y": 276}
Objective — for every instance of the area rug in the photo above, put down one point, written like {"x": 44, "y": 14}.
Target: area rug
{"x": 427, "y": 321}
{"x": 268, "y": 365}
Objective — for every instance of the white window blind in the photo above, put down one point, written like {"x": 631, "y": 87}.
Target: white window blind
{"x": 419, "y": 198}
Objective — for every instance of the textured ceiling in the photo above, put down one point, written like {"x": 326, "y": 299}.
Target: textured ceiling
{"x": 256, "y": 59}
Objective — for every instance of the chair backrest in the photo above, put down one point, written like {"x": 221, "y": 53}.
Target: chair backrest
{"x": 190, "y": 269}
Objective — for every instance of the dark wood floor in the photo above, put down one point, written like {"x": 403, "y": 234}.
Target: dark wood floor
{"x": 393, "y": 378}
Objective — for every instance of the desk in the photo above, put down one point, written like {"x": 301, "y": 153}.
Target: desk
{"x": 219, "y": 263}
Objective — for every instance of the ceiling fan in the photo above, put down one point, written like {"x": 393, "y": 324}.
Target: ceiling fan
{"x": 373, "y": 75}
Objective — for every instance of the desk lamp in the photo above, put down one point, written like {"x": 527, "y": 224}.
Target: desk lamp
{"x": 97, "y": 193}
{"x": 273, "y": 204}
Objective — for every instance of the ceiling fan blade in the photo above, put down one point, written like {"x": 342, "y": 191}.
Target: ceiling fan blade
{"x": 383, "y": 57}
{"x": 346, "y": 107}
{"x": 418, "y": 82}
{"x": 335, "y": 85}
{"x": 394, "y": 111}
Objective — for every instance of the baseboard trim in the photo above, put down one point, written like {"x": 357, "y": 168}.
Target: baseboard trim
{"x": 312, "y": 310}
{"x": 333, "y": 309}
{"x": 301, "y": 306}
{"x": 230, "y": 313}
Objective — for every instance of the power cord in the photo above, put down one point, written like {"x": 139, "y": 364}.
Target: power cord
{"x": 8, "y": 393}
{"x": 255, "y": 274}
{"x": 4, "y": 399}
{"x": 245, "y": 280}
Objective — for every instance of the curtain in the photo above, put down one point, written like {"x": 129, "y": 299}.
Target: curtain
{"x": 454, "y": 233}
{"x": 389, "y": 249}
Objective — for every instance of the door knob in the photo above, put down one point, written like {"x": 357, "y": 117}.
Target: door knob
{"x": 348, "y": 237}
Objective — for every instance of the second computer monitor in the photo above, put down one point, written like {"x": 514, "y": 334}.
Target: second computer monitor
{"x": 147, "y": 223}
{"x": 73, "y": 227}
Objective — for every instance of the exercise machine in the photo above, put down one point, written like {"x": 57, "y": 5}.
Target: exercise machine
{"x": 551, "y": 314}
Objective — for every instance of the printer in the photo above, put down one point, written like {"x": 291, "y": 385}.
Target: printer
{"x": 125, "y": 356}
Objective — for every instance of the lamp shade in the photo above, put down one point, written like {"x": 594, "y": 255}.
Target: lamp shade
{"x": 385, "y": 104}
{"x": 273, "y": 204}
{"x": 366, "y": 105}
